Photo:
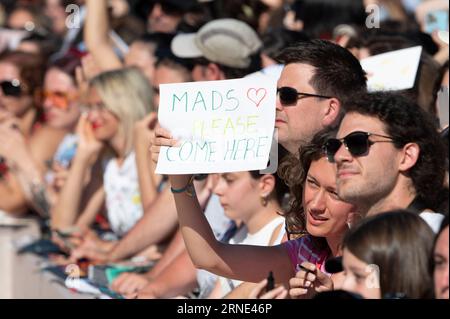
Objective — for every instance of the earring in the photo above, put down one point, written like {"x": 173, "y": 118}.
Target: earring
{"x": 264, "y": 200}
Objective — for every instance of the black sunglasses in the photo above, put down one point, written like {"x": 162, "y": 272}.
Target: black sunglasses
{"x": 289, "y": 96}
{"x": 357, "y": 143}
{"x": 11, "y": 88}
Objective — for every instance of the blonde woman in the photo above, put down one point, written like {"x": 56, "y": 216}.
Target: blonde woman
{"x": 116, "y": 101}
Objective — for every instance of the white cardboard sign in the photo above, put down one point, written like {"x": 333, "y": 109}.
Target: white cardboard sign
{"x": 221, "y": 126}
{"x": 392, "y": 71}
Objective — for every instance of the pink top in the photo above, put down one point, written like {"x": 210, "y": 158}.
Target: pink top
{"x": 303, "y": 249}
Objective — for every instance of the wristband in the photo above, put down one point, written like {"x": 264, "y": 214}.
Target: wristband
{"x": 189, "y": 188}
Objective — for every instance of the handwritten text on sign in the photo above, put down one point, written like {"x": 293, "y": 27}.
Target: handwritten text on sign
{"x": 222, "y": 126}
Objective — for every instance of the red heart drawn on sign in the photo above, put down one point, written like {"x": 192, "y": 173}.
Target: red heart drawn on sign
{"x": 256, "y": 95}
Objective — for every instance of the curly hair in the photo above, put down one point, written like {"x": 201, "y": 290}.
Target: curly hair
{"x": 406, "y": 123}
{"x": 294, "y": 171}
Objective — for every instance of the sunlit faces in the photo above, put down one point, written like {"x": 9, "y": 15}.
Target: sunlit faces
{"x": 239, "y": 195}
{"x": 17, "y": 106}
{"x": 326, "y": 214}
{"x": 371, "y": 176}
{"x": 141, "y": 56}
{"x": 60, "y": 100}
{"x": 441, "y": 266}
{"x": 298, "y": 123}
{"x": 360, "y": 277}
{"x": 104, "y": 123}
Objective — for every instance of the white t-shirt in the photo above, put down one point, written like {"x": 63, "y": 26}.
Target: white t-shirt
{"x": 260, "y": 238}
{"x": 123, "y": 199}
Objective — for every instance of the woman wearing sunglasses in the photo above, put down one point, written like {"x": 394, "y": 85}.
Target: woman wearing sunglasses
{"x": 61, "y": 105}
{"x": 320, "y": 214}
{"x": 26, "y": 143}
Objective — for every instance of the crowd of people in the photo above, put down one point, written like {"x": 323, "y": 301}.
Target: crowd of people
{"x": 357, "y": 208}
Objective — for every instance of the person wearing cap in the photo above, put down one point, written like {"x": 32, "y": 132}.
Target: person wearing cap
{"x": 222, "y": 49}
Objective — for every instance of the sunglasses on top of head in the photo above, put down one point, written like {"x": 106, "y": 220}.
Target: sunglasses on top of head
{"x": 289, "y": 96}
{"x": 357, "y": 143}
{"x": 11, "y": 88}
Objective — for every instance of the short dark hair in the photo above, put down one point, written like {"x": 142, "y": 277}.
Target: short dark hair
{"x": 399, "y": 243}
{"x": 406, "y": 123}
{"x": 337, "y": 72}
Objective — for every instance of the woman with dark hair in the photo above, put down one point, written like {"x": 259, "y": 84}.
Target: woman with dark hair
{"x": 26, "y": 142}
{"x": 21, "y": 77}
{"x": 387, "y": 256}
{"x": 323, "y": 213}
{"x": 440, "y": 262}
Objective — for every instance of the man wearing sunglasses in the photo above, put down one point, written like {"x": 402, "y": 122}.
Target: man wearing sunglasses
{"x": 318, "y": 76}
{"x": 389, "y": 155}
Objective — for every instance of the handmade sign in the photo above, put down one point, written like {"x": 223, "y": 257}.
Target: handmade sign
{"x": 221, "y": 126}
{"x": 392, "y": 71}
